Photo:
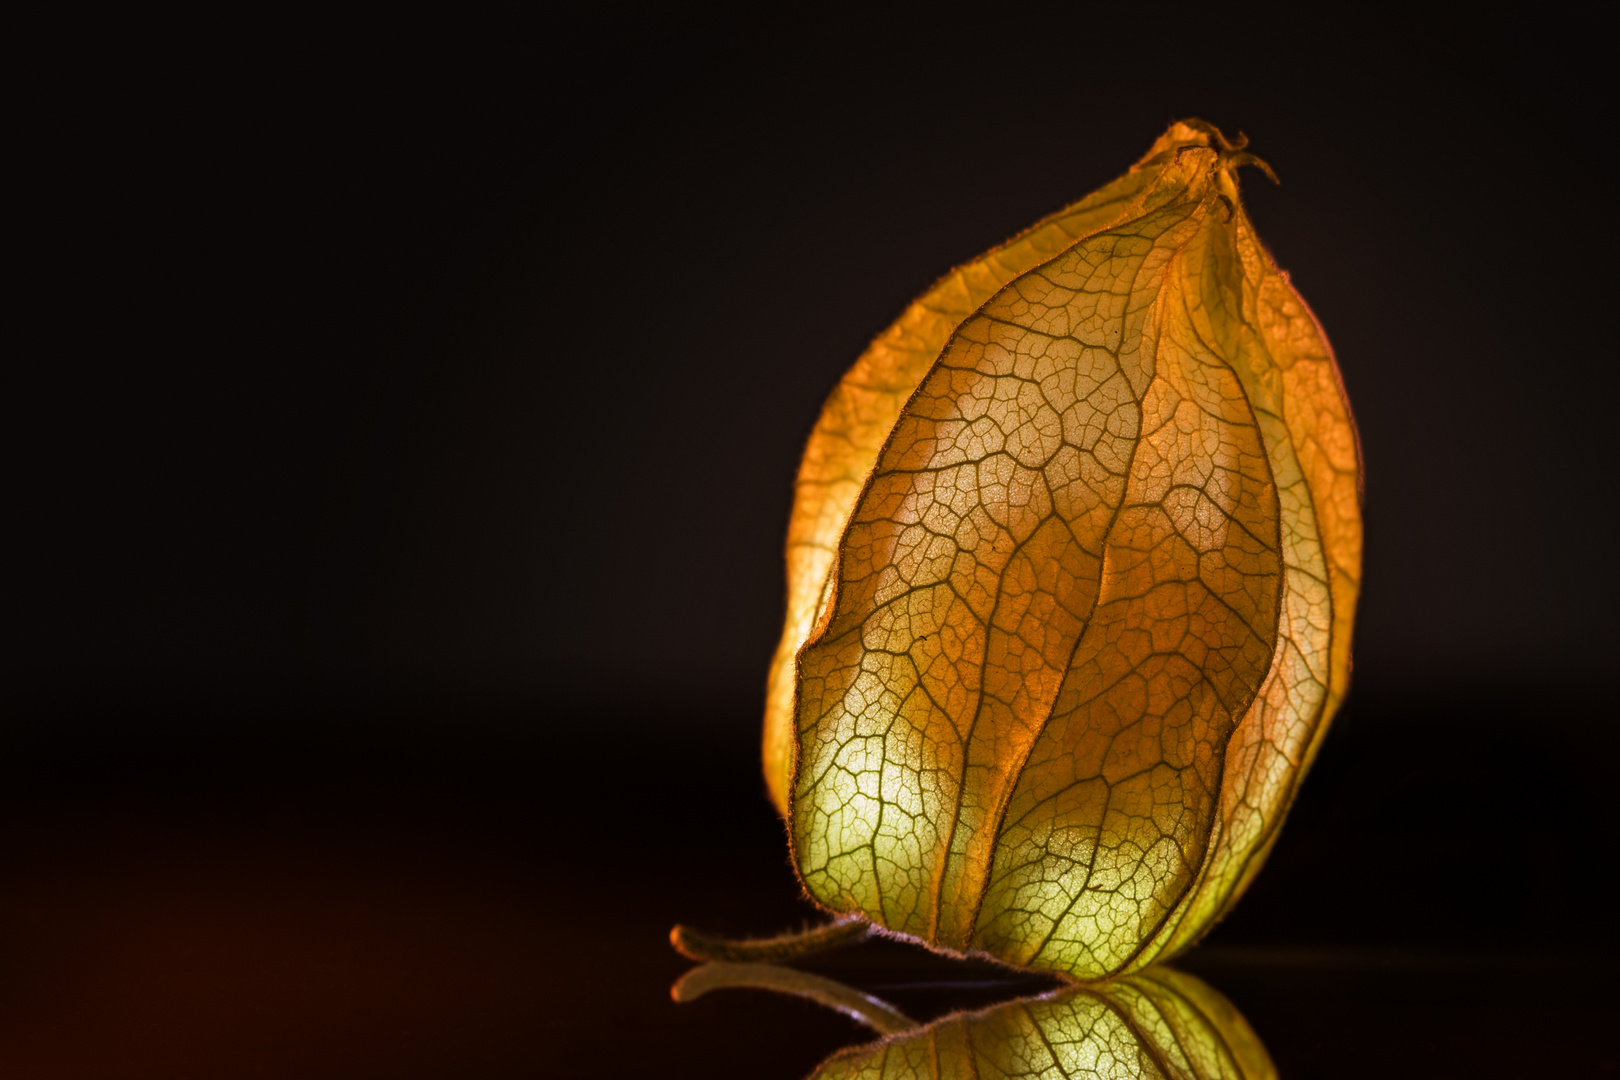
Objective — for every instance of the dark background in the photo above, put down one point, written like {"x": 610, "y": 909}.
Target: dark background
{"x": 404, "y": 440}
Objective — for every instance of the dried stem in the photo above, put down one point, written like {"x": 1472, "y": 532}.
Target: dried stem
{"x": 773, "y": 950}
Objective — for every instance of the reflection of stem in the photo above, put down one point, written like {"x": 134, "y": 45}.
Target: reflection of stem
{"x": 774, "y": 950}
{"x": 875, "y": 1013}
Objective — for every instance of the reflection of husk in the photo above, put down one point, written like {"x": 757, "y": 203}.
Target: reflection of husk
{"x": 1158, "y": 1023}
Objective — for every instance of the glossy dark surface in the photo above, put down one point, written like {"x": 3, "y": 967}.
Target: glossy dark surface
{"x": 375, "y": 900}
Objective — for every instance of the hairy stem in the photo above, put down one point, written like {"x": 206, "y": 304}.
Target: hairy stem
{"x": 772, "y": 950}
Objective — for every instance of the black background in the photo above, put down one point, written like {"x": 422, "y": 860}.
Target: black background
{"x": 404, "y": 439}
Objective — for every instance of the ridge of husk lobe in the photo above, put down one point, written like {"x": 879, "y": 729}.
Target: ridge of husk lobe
{"x": 953, "y": 869}
{"x": 1108, "y": 820}
{"x": 1289, "y": 371}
